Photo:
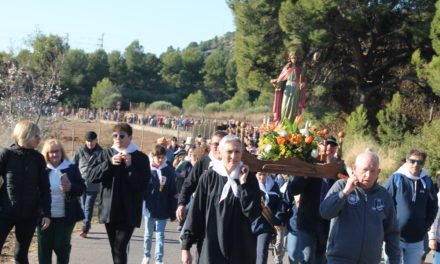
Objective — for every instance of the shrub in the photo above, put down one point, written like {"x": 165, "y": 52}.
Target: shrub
{"x": 160, "y": 105}
{"x": 213, "y": 107}
{"x": 194, "y": 102}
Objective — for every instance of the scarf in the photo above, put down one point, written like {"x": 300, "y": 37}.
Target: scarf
{"x": 266, "y": 187}
{"x": 130, "y": 149}
{"x": 405, "y": 171}
{"x": 231, "y": 183}
{"x": 213, "y": 160}
{"x": 158, "y": 170}
{"x": 63, "y": 165}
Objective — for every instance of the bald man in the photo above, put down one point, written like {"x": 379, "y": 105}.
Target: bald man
{"x": 362, "y": 216}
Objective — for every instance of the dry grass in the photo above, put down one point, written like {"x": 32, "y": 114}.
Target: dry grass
{"x": 389, "y": 157}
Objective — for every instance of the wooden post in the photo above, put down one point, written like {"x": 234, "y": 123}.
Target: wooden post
{"x": 99, "y": 132}
{"x": 73, "y": 140}
{"x": 142, "y": 138}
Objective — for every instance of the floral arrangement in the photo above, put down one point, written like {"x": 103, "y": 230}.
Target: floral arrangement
{"x": 288, "y": 140}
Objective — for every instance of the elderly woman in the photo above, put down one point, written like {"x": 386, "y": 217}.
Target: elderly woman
{"x": 24, "y": 194}
{"x": 67, "y": 186}
{"x": 226, "y": 202}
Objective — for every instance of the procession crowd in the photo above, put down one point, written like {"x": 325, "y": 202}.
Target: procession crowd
{"x": 228, "y": 212}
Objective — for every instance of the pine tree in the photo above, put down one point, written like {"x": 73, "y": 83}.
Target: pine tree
{"x": 392, "y": 123}
{"x": 357, "y": 123}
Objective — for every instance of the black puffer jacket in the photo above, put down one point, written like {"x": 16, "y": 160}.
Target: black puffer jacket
{"x": 26, "y": 190}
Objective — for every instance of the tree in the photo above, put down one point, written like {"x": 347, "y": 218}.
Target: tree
{"x": 194, "y": 102}
{"x": 259, "y": 52}
{"x": 392, "y": 123}
{"x": 117, "y": 67}
{"x": 73, "y": 75}
{"x": 431, "y": 71}
{"x": 357, "y": 123}
{"x": 105, "y": 95}
{"x": 214, "y": 77}
{"x": 362, "y": 43}
{"x": 135, "y": 60}
{"x": 97, "y": 68}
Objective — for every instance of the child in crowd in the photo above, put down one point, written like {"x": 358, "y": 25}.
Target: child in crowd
{"x": 160, "y": 203}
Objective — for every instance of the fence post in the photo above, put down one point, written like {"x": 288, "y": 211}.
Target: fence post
{"x": 73, "y": 140}
{"x": 142, "y": 140}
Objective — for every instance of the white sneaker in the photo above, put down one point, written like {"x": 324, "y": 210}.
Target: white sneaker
{"x": 159, "y": 262}
{"x": 145, "y": 260}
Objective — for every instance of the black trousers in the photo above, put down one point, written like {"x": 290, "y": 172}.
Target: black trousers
{"x": 24, "y": 231}
{"x": 119, "y": 236}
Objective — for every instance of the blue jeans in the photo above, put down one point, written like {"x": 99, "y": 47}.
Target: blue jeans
{"x": 87, "y": 203}
{"x": 436, "y": 257}
{"x": 311, "y": 247}
{"x": 411, "y": 252}
{"x": 263, "y": 241}
{"x": 293, "y": 252}
{"x": 151, "y": 225}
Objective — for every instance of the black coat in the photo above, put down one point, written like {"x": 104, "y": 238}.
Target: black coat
{"x": 25, "y": 193}
{"x": 308, "y": 219}
{"x": 72, "y": 207}
{"x": 190, "y": 184}
{"x": 122, "y": 187}
{"x": 222, "y": 230}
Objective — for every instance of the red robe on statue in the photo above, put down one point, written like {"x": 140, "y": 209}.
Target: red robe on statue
{"x": 277, "y": 102}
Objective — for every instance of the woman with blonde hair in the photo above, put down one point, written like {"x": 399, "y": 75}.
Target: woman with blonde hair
{"x": 66, "y": 185}
{"x": 24, "y": 194}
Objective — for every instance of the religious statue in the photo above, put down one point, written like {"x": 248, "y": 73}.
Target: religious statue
{"x": 290, "y": 91}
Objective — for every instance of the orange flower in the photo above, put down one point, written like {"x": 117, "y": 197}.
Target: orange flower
{"x": 263, "y": 128}
{"x": 281, "y": 140}
{"x": 272, "y": 126}
{"x": 298, "y": 119}
{"x": 308, "y": 139}
{"x": 295, "y": 139}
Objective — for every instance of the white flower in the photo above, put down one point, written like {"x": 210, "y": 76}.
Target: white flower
{"x": 267, "y": 148}
{"x": 304, "y": 132}
{"x": 314, "y": 154}
{"x": 282, "y": 133}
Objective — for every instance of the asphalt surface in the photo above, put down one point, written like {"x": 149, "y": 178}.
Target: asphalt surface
{"x": 96, "y": 249}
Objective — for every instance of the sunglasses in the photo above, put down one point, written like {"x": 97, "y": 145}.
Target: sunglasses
{"x": 420, "y": 162}
{"x": 121, "y": 136}
{"x": 54, "y": 151}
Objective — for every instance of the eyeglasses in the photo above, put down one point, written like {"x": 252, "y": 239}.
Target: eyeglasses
{"x": 121, "y": 136}
{"x": 55, "y": 151}
{"x": 420, "y": 162}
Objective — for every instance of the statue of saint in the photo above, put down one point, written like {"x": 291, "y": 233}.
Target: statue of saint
{"x": 290, "y": 91}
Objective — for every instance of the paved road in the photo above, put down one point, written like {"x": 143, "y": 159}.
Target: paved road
{"x": 95, "y": 249}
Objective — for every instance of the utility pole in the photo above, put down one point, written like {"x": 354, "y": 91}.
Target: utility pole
{"x": 100, "y": 43}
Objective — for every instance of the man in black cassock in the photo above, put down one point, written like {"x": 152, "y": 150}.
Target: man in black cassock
{"x": 201, "y": 166}
{"x": 226, "y": 201}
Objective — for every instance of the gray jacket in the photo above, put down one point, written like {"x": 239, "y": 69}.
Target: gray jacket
{"x": 434, "y": 232}
{"x": 360, "y": 223}
{"x": 84, "y": 157}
